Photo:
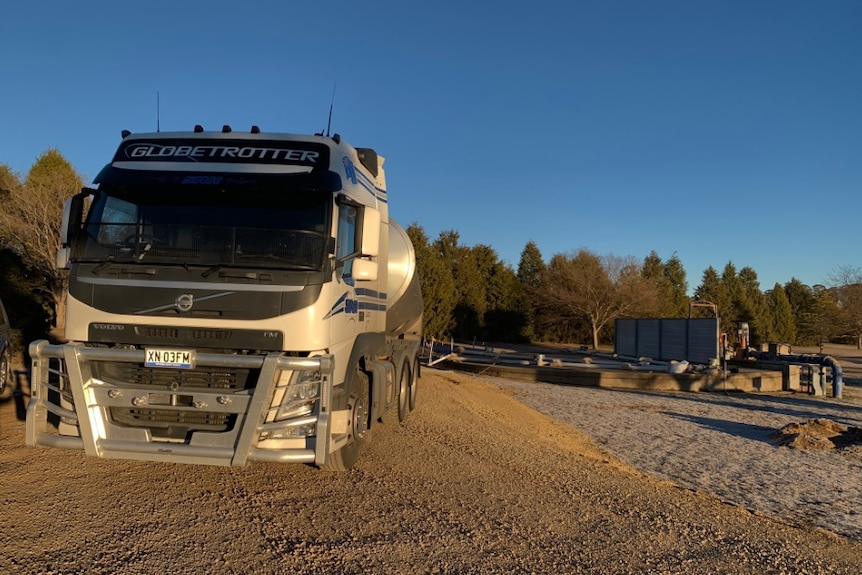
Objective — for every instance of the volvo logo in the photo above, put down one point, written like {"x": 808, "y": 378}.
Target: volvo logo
{"x": 184, "y": 302}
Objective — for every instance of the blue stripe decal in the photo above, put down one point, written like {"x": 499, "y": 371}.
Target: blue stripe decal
{"x": 372, "y": 300}
{"x": 338, "y": 307}
{"x": 372, "y": 188}
{"x": 370, "y": 293}
{"x": 356, "y": 177}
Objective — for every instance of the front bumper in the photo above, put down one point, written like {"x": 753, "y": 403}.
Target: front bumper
{"x": 72, "y": 407}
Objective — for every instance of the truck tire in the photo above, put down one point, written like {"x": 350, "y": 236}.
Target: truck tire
{"x": 7, "y": 378}
{"x": 414, "y": 384}
{"x": 397, "y": 414}
{"x": 355, "y": 398}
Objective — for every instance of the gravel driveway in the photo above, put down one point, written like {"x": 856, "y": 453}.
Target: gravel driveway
{"x": 473, "y": 482}
{"x": 723, "y": 444}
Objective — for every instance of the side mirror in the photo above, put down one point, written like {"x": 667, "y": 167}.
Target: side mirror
{"x": 64, "y": 224}
{"x": 73, "y": 214}
{"x": 364, "y": 270}
{"x": 370, "y": 232}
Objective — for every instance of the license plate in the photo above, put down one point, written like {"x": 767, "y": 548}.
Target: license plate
{"x": 166, "y": 357}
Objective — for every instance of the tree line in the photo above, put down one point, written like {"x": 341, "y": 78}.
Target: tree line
{"x": 470, "y": 294}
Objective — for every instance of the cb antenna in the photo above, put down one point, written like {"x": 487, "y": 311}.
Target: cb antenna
{"x": 158, "y": 113}
{"x": 331, "y": 104}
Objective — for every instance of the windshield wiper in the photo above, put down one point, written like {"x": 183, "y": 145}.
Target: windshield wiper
{"x": 257, "y": 271}
{"x": 144, "y": 251}
{"x": 98, "y": 269}
{"x": 134, "y": 270}
{"x": 239, "y": 274}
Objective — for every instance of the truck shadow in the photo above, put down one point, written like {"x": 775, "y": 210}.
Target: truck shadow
{"x": 734, "y": 428}
{"x": 797, "y": 405}
{"x": 21, "y": 393}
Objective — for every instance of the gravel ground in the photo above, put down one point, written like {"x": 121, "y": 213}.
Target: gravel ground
{"x": 473, "y": 482}
{"x": 723, "y": 444}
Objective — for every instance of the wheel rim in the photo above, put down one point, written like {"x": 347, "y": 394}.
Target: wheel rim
{"x": 359, "y": 415}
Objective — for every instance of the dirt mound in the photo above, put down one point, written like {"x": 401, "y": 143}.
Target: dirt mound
{"x": 818, "y": 434}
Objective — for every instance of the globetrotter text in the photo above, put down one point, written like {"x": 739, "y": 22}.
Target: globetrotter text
{"x": 150, "y": 151}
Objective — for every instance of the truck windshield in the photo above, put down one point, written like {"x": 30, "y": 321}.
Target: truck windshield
{"x": 207, "y": 226}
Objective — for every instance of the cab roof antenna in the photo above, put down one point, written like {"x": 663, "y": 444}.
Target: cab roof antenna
{"x": 331, "y": 104}
{"x": 158, "y": 113}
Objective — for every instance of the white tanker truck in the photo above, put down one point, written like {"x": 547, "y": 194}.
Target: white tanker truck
{"x": 232, "y": 297}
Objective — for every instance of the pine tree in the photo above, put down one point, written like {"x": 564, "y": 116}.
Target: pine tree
{"x": 803, "y": 303}
{"x": 679, "y": 300}
{"x": 714, "y": 291}
{"x": 753, "y": 307}
{"x": 531, "y": 268}
{"x": 784, "y": 323}
{"x": 438, "y": 286}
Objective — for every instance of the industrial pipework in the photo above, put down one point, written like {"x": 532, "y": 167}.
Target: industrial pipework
{"x": 809, "y": 358}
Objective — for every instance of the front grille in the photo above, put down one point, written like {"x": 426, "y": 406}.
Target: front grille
{"x": 158, "y": 331}
{"x": 211, "y": 334}
{"x": 130, "y": 374}
{"x": 173, "y": 424}
{"x": 171, "y": 333}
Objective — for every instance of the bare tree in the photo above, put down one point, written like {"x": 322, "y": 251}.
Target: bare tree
{"x": 9, "y": 183}
{"x": 598, "y": 289}
{"x": 30, "y": 220}
{"x": 847, "y": 290}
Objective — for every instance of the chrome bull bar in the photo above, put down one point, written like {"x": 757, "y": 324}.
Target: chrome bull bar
{"x": 100, "y": 436}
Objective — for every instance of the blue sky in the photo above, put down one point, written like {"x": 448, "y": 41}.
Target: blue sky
{"x": 717, "y": 130}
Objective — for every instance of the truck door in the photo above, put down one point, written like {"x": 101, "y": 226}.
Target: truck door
{"x": 346, "y": 309}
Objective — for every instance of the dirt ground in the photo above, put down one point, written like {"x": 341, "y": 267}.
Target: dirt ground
{"x": 472, "y": 482}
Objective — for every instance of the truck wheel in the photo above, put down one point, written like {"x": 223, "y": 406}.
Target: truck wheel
{"x": 414, "y": 384}
{"x": 7, "y": 378}
{"x": 396, "y": 414}
{"x": 355, "y": 399}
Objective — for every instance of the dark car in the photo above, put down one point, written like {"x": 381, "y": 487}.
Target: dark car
{"x": 7, "y": 382}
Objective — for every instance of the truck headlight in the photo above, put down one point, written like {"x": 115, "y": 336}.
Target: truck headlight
{"x": 300, "y": 396}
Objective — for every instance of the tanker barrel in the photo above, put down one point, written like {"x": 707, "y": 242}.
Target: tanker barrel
{"x": 404, "y": 306}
